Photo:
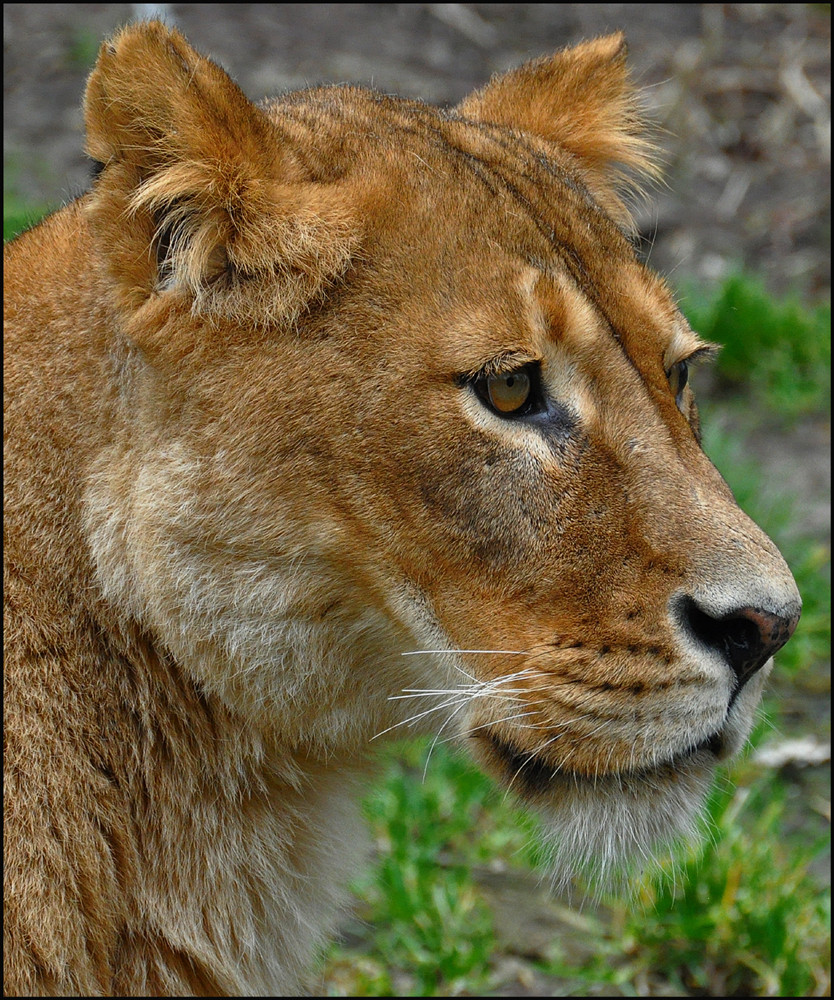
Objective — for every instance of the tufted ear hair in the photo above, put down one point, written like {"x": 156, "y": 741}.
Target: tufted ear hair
{"x": 200, "y": 190}
{"x": 582, "y": 99}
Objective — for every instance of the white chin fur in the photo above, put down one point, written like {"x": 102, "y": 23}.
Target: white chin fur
{"x": 606, "y": 831}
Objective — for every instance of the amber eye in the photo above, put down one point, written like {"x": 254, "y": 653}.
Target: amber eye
{"x": 508, "y": 393}
{"x": 678, "y": 376}
{"x": 512, "y": 393}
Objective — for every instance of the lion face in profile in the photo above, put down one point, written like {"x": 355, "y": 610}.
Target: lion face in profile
{"x": 373, "y": 397}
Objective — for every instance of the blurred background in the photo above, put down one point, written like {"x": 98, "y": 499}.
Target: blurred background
{"x": 741, "y": 92}
{"x": 740, "y": 97}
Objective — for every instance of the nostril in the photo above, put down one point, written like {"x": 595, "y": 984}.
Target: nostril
{"x": 745, "y": 637}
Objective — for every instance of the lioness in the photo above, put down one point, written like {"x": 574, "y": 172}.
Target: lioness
{"x": 299, "y": 388}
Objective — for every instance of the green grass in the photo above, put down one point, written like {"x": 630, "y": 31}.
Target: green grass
{"x": 19, "y": 216}
{"x": 743, "y": 917}
{"x": 777, "y": 351}
{"x": 83, "y": 49}
{"x": 430, "y": 921}
{"x": 18, "y": 213}
{"x": 738, "y": 916}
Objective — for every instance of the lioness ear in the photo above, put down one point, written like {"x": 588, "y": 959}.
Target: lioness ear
{"x": 200, "y": 189}
{"x": 582, "y": 99}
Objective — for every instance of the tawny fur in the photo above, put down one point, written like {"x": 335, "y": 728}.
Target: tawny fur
{"x": 248, "y": 467}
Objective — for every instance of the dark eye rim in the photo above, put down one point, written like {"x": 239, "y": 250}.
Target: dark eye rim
{"x": 704, "y": 353}
{"x": 682, "y": 379}
{"x": 535, "y": 402}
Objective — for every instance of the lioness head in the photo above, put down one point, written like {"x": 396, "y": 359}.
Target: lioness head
{"x": 394, "y": 407}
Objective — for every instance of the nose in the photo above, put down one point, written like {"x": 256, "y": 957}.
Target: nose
{"x": 745, "y": 637}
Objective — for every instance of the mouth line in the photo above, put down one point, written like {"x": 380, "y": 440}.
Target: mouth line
{"x": 536, "y": 776}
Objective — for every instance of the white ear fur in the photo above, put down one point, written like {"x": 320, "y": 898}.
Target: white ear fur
{"x": 199, "y": 187}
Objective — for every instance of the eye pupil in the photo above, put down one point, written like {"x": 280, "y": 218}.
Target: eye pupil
{"x": 509, "y": 394}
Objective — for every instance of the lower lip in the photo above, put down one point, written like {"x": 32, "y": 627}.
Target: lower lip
{"x": 537, "y": 777}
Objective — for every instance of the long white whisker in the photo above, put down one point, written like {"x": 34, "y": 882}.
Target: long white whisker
{"x": 427, "y": 692}
{"x": 494, "y": 722}
{"x": 437, "y": 737}
{"x": 510, "y": 652}
{"x": 420, "y": 715}
{"x": 476, "y": 689}
{"x": 526, "y": 672}
{"x": 472, "y": 695}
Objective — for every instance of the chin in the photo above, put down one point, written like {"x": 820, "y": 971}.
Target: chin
{"x": 605, "y": 828}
